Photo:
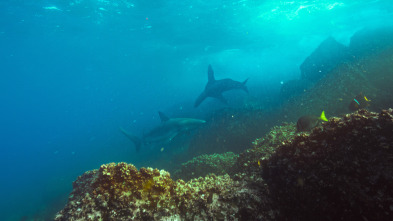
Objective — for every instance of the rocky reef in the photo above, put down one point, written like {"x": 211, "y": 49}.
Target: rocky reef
{"x": 342, "y": 170}
{"x": 200, "y": 166}
{"x": 121, "y": 192}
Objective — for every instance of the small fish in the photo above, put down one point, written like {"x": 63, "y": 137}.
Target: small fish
{"x": 359, "y": 102}
{"x": 259, "y": 163}
{"x": 308, "y": 122}
{"x": 365, "y": 98}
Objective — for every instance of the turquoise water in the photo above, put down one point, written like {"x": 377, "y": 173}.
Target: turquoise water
{"x": 73, "y": 72}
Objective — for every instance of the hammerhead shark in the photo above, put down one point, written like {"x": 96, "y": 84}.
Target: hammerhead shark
{"x": 215, "y": 88}
{"x": 165, "y": 131}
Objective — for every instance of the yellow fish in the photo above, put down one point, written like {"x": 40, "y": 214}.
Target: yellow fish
{"x": 308, "y": 122}
{"x": 365, "y": 98}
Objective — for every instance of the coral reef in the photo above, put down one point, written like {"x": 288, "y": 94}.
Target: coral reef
{"x": 203, "y": 165}
{"x": 341, "y": 171}
{"x": 121, "y": 192}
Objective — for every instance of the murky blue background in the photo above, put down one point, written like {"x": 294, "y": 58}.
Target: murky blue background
{"x": 73, "y": 72}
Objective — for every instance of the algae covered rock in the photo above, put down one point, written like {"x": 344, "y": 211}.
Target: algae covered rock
{"x": 205, "y": 164}
{"x": 121, "y": 192}
{"x": 341, "y": 171}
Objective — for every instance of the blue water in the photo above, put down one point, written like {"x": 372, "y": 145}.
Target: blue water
{"x": 73, "y": 72}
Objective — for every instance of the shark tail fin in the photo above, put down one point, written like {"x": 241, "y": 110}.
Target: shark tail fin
{"x": 136, "y": 140}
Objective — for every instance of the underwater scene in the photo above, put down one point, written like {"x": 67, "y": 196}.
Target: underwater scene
{"x": 196, "y": 110}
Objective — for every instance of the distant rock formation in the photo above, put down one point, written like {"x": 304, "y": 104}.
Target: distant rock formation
{"x": 325, "y": 58}
{"x": 371, "y": 40}
{"x": 371, "y": 73}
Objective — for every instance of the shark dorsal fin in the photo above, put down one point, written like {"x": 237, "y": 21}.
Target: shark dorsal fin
{"x": 163, "y": 117}
{"x": 210, "y": 74}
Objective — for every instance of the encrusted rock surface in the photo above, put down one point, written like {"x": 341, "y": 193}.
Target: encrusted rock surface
{"x": 342, "y": 170}
{"x": 203, "y": 165}
{"x": 121, "y": 192}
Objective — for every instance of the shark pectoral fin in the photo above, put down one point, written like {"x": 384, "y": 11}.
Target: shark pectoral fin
{"x": 199, "y": 100}
{"x": 222, "y": 99}
{"x": 136, "y": 140}
{"x": 163, "y": 117}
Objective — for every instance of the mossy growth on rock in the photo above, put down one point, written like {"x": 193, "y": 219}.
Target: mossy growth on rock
{"x": 200, "y": 166}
